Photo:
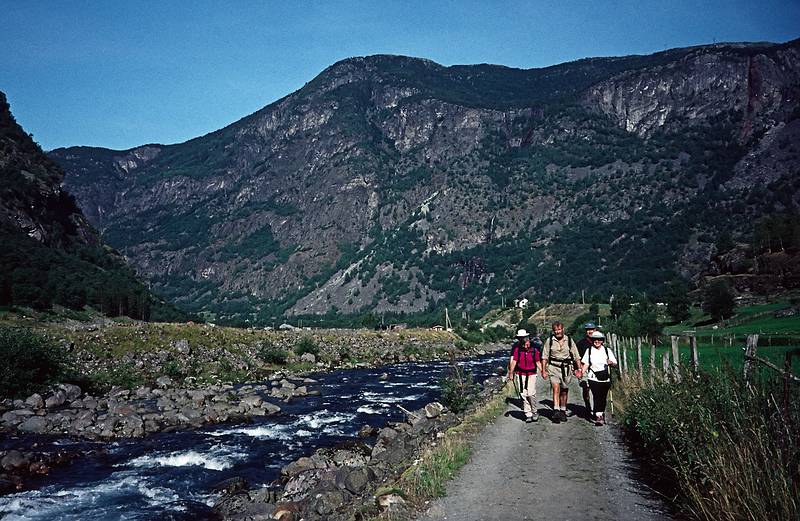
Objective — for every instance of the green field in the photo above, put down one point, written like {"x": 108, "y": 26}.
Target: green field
{"x": 723, "y": 345}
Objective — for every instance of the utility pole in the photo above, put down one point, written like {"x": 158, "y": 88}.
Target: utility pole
{"x": 583, "y": 298}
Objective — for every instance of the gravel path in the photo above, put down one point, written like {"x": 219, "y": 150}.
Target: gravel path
{"x": 543, "y": 470}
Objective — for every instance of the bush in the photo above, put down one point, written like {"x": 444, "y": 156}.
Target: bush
{"x": 306, "y": 345}
{"x": 272, "y": 355}
{"x": 729, "y": 449}
{"x": 459, "y": 390}
{"x": 124, "y": 375}
{"x": 30, "y": 362}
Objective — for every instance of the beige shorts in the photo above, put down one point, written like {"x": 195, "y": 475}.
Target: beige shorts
{"x": 554, "y": 372}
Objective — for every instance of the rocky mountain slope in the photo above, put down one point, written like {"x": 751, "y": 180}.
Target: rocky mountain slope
{"x": 395, "y": 184}
{"x": 51, "y": 254}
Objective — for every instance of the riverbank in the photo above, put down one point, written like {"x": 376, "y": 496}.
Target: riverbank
{"x": 119, "y": 352}
{"x": 180, "y": 475}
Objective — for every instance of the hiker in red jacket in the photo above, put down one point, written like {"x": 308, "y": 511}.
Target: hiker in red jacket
{"x": 525, "y": 362}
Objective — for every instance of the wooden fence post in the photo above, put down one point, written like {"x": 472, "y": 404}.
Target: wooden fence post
{"x": 750, "y": 351}
{"x": 676, "y": 358}
{"x": 665, "y": 364}
{"x": 639, "y": 359}
{"x": 653, "y": 359}
{"x": 624, "y": 343}
{"x": 695, "y": 358}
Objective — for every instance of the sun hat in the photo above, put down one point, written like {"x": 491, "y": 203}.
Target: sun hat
{"x": 522, "y": 332}
{"x": 597, "y": 335}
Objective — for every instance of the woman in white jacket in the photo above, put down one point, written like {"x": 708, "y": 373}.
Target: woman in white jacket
{"x": 596, "y": 362}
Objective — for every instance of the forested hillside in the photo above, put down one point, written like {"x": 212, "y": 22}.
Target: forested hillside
{"x": 50, "y": 254}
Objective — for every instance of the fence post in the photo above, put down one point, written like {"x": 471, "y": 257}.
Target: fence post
{"x": 665, "y": 364}
{"x": 695, "y": 358}
{"x": 639, "y": 359}
{"x": 676, "y": 358}
{"x": 787, "y": 368}
{"x": 624, "y": 343}
{"x": 750, "y": 350}
{"x": 653, "y": 359}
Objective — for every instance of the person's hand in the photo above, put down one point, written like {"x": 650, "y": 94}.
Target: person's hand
{"x": 578, "y": 373}
{"x": 544, "y": 375}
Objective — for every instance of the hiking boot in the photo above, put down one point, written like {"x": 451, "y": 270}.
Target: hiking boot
{"x": 563, "y": 416}
{"x": 529, "y": 419}
{"x": 535, "y": 417}
{"x": 556, "y": 417}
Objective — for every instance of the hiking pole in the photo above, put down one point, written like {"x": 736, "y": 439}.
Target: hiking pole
{"x": 611, "y": 400}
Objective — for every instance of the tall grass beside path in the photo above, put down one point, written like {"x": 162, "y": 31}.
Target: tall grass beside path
{"x": 428, "y": 477}
{"x": 730, "y": 449}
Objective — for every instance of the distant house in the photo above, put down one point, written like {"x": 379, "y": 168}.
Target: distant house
{"x": 437, "y": 327}
{"x": 287, "y": 327}
{"x": 397, "y": 327}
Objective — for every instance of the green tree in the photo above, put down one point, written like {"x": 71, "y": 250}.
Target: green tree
{"x": 620, "y": 305}
{"x": 677, "y": 300}
{"x": 718, "y": 300}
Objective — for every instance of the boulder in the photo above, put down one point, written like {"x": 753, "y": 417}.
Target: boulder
{"x": 252, "y": 401}
{"x": 14, "y": 459}
{"x": 34, "y": 424}
{"x": 366, "y": 431}
{"x": 300, "y": 485}
{"x": 391, "y": 502}
{"x": 286, "y": 511}
{"x": 327, "y": 502}
{"x": 73, "y": 392}
{"x": 164, "y": 382}
{"x": 357, "y": 480}
{"x": 57, "y": 399}
{"x": 433, "y": 409}
{"x": 348, "y": 458}
{"x": 182, "y": 346}
{"x": 232, "y": 485}
{"x": 308, "y": 358}
{"x": 35, "y": 401}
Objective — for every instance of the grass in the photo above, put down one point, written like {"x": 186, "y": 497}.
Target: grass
{"x": 728, "y": 449}
{"x": 442, "y": 459}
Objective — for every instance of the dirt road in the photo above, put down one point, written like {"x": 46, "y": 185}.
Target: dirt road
{"x": 546, "y": 471}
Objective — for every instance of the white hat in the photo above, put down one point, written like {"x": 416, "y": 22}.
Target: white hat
{"x": 597, "y": 335}
{"x": 522, "y": 332}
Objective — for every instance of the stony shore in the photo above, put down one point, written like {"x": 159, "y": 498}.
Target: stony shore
{"x": 346, "y": 483}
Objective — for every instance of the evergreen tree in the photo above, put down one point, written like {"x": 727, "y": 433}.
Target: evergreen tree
{"x": 677, "y": 300}
{"x": 718, "y": 300}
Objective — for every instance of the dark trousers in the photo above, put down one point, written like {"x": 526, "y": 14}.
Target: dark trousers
{"x": 599, "y": 394}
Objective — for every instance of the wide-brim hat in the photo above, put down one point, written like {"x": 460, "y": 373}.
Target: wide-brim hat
{"x": 521, "y": 332}
{"x": 597, "y": 335}
{"x": 589, "y": 325}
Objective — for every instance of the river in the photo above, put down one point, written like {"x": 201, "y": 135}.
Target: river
{"x": 170, "y": 476}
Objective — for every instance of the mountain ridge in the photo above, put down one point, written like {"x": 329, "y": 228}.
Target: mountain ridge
{"x": 391, "y": 188}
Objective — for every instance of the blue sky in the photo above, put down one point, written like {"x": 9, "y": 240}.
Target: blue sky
{"x": 121, "y": 74}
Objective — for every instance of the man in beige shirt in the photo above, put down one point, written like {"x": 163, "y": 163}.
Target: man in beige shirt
{"x": 560, "y": 355}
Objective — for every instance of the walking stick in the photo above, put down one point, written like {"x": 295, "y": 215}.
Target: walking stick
{"x": 611, "y": 400}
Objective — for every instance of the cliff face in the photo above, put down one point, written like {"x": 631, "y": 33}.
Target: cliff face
{"x": 30, "y": 183}
{"x": 390, "y": 183}
{"x": 50, "y": 253}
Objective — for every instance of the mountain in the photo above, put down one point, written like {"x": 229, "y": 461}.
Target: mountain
{"x": 51, "y": 254}
{"x": 395, "y": 184}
